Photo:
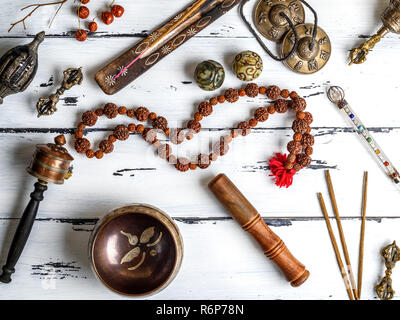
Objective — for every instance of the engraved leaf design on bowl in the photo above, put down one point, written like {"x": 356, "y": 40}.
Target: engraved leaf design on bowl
{"x": 132, "y": 239}
{"x": 132, "y": 254}
{"x": 146, "y": 235}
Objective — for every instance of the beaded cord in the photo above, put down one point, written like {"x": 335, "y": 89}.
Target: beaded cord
{"x": 300, "y": 148}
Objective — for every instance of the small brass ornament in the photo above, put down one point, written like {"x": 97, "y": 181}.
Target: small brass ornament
{"x": 306, "y": 59}
{"x": 391, "y": 254}
{"x": 391, "y": 23}
{"x": 269, "y": 21}
{"x": 47, "y": 106}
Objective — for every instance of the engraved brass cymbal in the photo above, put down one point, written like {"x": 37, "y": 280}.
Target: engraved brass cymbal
{"x": 270, "y": 23}
{"x": 304, "y": 60}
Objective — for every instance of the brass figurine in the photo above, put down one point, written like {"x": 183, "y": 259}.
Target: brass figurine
{"x": 391, "y": 254}
{"x": 18, "y": 67}
{"x": 47, "y": 106}
{"x": 391, "y": 23}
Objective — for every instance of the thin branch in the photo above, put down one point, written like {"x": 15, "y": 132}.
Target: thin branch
{"x": 36, "y": 6}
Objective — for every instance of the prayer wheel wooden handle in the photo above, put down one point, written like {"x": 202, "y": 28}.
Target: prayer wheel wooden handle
{"x": 250, "y": 220}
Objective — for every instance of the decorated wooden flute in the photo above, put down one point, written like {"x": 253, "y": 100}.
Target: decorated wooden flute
{"x": 141, "y": 57}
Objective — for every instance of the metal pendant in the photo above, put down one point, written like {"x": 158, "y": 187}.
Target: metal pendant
{"x": 268, "y": 19}
{"x": 304, "y": 60}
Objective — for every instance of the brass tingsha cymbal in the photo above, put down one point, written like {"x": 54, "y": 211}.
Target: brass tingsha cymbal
{"x": 270, "y": 23}
{"x": 304, "y": 60}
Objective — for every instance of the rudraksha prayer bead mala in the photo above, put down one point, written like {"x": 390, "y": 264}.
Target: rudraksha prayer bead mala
{"x": 283, "y": 167}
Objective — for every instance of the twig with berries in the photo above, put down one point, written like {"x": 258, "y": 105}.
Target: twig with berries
{"x": 37, "y": 6}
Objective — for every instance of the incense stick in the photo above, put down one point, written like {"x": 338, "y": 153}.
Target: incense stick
{"x": 335, "y": 247}
{"x": 341, "y": 233}
{"x": 187, "y": 15}
{"x": 362, "y": 235}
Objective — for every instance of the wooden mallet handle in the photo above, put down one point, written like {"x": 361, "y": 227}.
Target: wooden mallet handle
{"x": 250, "y": 220}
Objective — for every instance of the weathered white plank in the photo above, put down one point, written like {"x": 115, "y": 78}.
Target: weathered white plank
{"x": 220, "y": 262}
{"x": 133, "y": 173}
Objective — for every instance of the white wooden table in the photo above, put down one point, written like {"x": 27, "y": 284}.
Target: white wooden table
{"x": 220, "y": 260}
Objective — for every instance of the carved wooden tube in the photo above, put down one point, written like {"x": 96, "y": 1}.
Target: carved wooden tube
{"x": 250, "y": 220}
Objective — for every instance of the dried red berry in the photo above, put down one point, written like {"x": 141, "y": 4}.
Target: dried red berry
{"x": 117, "y": 11}
{"x": 81, "y": 35}
{"x": 83, "y": 12}
{"x": 107, "y": 17}
{"x": 93, "y": 26}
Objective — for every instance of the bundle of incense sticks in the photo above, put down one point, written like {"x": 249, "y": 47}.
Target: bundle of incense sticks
{"x": 161, "y": 42}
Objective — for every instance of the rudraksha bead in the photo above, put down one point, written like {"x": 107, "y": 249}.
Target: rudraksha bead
{"x": 253, "y": 122}
{"x": 198, "y": 116}
{"x": 160, "y": 123}
{"x": 296, "y": 166}
{"x": 110, "y": 110}
{"x": 307, "y": 140}
{"x": 261, "y": 114}
{"x": 152, "y": 116}
{"x": 308, "y": 117}
{"x": 81, "y": 126}
{"x": 149, "y": 135}
{"x": 176, "y": 136}
{"x": 242, "y": 92}
{"x": 121, "y": 132}
{"x": 300, "y": 115}
{"x": 251, "y": 90}
{"x": 297, "y": 137}
{"x": 221, "y": 98}
{"x": 303, "y": 160}
{"x": 106, "y": 146}
{"x": 182, "y": 164}
{"x": 273, "y": 92}
{"x": 271, "y": 109}
{"x": 131, "y": 127}
{"x": 294, "y": 147}
{"x": 99, "y": 112}
{"x": 90, "y": 153}
{"x": 291, "y": 157}
{"x": 82, "y": 145}
{"x": 298, "y": 104}
{"x": 122, "y": 110}
{"x": 99, "y": 154}
{"x": 194, "y": 125}
{"x": 164, "y": 151}
{"x": 281, "y": 106}
{"x": 142, "y": 113}
{"x": 244, "y": 128}
{"x": 213, "y": 101}
{"x": 231, "y": 95}
{"x": 309, "y": 151}
{"x": 130, "y": 113}
{"x": 203, "y": 161}
{"x": 89, "y": 118}
{"x": 285, "y": 93}
{"x": 262, "y": 90}
{"x": 205, "y": 108}
{"x": 299, "y": 126}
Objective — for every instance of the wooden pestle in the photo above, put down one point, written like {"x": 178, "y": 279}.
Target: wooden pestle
{"x": 250, "y": 220}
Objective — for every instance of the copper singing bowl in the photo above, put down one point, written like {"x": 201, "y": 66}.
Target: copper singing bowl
{"x": 136, "y": 250}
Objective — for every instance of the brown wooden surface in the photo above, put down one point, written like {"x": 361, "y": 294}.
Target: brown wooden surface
{"x": 250, "y": 220}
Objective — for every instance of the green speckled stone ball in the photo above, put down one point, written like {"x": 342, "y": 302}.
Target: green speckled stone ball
{"x": 209, "y": 75}
{"x": 247, "y": 65}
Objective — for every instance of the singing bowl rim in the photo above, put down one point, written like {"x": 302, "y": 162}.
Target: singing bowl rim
{"x": 155, "y": 213}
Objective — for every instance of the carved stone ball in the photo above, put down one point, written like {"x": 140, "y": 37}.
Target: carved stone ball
{"x": 294, "y": 147}
{"x": 298, "y": 104}
{"x": 303, "y": 160}
{"x": 300, "y": 126}
{"x": 149, "y": 135}
{"x": 205, "y": 108}
{"x": 106, "y": 146}
{"x": 209, "y": 75}
{"x": 182, "y": 164}
{"x": 160, "y": 123}
{"x": 121, "y": 132}
{"x": 82, "y": 145}
{"x": 89, "y": 118}
{"x": 194, "y": 125}
{"x": 307, "y": 140}
{"x": 251, "y": 90}
{"x": 261, "y": 114}
{"x": 221, "y": 148}
{"x": 281, "y": 106}
{"x": 247, "y": 65}
{"x": 231, "y": 95}
{"x": 110, "y": 110}
{"x": 203, "y": 161}
{"x": 142, "y": 113}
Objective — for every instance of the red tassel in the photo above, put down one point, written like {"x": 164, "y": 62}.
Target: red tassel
{"x": 283, "y": 177}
